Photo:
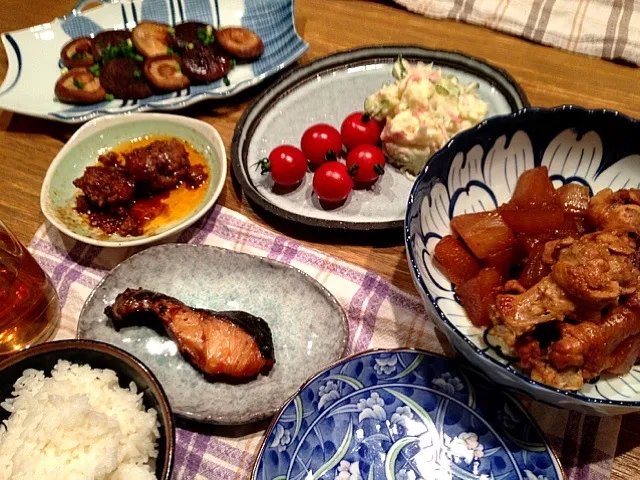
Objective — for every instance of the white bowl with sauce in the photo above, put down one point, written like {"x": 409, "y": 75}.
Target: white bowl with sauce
{"x": 175, "y": 210}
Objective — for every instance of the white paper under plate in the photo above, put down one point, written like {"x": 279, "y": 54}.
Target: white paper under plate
{"x": 34, "y": 53}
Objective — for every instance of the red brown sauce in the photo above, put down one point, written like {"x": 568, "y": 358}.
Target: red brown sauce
{"x": 141, "y": 184}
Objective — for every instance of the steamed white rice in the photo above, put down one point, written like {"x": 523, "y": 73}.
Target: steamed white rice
{"x": 77, "y": 424}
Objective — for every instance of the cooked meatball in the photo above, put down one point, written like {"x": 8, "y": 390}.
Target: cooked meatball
{"x": 106, "y": 186}
{"x": 159, "y": 166}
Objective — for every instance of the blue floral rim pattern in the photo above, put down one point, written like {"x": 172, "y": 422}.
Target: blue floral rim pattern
{"x": 403, "y": 414}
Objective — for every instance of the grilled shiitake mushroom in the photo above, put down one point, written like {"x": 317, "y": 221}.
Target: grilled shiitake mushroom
{"x": 165, "y": 73}
{"x": 240, "y": 42}
{"x": 124, "y": 78}
{"x": 79, "y": 86}
{"x": 78, "y": 53}
{"x": 191, "y": 33}
{"x": 113, "y": 38}
{"x": 151, "y": 39}
{"x": 205, "y": 64}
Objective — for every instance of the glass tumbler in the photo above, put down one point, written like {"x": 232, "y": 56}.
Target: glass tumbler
{"x": 29, "y": 310}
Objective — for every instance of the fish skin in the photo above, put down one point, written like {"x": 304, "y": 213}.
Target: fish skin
{"x": 244, "y": 349}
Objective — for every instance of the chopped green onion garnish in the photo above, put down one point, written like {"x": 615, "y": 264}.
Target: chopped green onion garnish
{"x": 190, "y": 46}
{"x": 171, "y": 51}
{"x": 129, "y": 42}
{"x": 78, "y": 84}
{"x": 139, "y": 58}
{"x": 403, "y": 69}
{"x": 178, "y": 69}
{"x": 95, "y": 70}
{"x": 64, "y": 71}
{"x": 441, "y": 90}
{"x": 226, "y": 80}
{"x": 384, "y": 105}
{"x": 233, "y": 63}
{"x": 206, "y": 35}
{"x": 171, "y": 30}
{"x": 109, "y": 97}
{"x": 137, "y": 74}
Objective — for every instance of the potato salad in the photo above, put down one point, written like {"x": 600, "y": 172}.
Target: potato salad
{"x": 423, "y": 109}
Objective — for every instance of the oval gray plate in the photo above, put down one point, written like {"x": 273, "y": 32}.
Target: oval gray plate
{"x": 327, "y": 90}
{"x": 308, "y": 325}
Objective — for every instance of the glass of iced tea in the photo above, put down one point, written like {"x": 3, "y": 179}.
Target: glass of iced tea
{"x": 29, "y": 311}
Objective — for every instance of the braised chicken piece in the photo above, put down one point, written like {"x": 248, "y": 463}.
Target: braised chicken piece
{"x": 597, "y": 268}
{"x": 584, "y": 351}
{"x": 565, "y": 295}
{"x": 590, "y": 273}
{"x": 589, "y": 345}
{"x": 563, "y": 354}
{"x": 235, "y": 344}
{"x": 159, "y": 166}
{"x": 544, "y": 302}
{"x": 567, "y": 379}
{"x": 623, "y": 357}
{"x": 619, "y": 211}
{"x": 106, "y": 186}
{"x": 633, "y": 300}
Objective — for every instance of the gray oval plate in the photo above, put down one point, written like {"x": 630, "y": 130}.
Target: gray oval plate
{"x": 327, "y": 90}
{"x": 308, "y": 325}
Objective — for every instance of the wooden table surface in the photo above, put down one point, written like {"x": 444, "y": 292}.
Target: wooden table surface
{"x": 549, "y": 76}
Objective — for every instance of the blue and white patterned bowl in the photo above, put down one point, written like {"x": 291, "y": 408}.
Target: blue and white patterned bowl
{"x": 477, "y": 171}
{"x": 403, "y": 415}
{"x": 34, "y": 53}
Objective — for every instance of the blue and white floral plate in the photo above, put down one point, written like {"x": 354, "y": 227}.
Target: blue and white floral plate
{"x": 477, "y": 171}
{"x": 34, "y": 53}
{"x": 403, "y": 415}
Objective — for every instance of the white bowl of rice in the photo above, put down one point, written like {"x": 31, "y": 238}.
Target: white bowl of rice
{"x": 80, "y": 409}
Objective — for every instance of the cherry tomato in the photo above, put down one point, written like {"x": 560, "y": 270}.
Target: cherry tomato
{"x": 321, "y": 142}
{"x": 365, "y": 163}
{"x": 360, "y": 129}
{"x": 287, "y": 165}
{"x": 332, "y": 182}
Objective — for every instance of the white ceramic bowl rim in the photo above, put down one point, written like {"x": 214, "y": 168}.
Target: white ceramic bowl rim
{"x": 98, "y": 124}
{"x": 477, "y": 131}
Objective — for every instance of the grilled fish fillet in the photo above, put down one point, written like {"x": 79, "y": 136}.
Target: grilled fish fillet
{"x": 235, "y": 344}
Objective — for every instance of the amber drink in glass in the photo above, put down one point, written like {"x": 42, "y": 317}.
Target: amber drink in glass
{"x": 29, "y": 311}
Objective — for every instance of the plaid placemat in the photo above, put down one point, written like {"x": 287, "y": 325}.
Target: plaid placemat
{"x": 601, "y": 28}
{"x": 379, "y": 314}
